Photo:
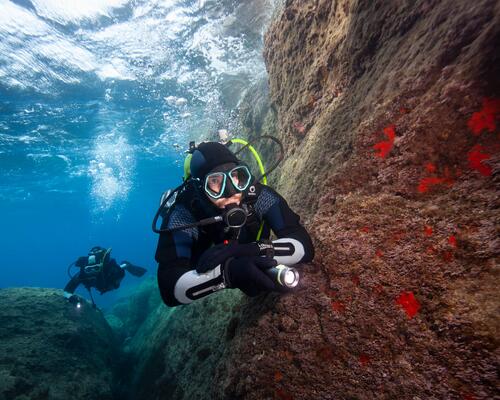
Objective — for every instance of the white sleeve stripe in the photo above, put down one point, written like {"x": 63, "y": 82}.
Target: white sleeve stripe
{"x": 191, "y": 279}
{"x": 296, "y": 255}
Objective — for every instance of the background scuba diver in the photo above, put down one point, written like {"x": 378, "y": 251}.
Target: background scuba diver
{"x": 98, "y": 270}
{"x": 197, "y": 259}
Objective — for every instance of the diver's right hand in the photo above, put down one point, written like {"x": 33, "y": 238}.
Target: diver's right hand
{"x": 247, "y": 274}
{"x": 74, "y": 299}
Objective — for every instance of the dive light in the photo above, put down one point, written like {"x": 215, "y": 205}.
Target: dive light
{"x": 284, "y": 276}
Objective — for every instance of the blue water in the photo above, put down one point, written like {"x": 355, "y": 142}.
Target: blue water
{"x": 98, "y": 102}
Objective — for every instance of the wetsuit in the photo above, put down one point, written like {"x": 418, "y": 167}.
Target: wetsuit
{"x": 178, "y": 252}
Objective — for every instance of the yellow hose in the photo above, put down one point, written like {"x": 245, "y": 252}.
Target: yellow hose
{"x": 256, "y": 156}
{"x": 262, "y": 171}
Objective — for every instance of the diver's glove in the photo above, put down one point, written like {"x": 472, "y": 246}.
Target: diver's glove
{"x": 72, "y": 298}
{"x": 220, "y": 253}
{"x": 248, "y": 274}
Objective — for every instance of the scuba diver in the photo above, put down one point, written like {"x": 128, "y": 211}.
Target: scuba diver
{"x": 98, "y": 270}
{"x": 216, "y": 226}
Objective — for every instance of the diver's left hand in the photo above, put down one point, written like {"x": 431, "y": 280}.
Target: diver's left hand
{"x": 220, "y": 253}
{"x": 74, "y": 299}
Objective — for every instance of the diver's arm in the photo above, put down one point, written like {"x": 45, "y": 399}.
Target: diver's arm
{"x": 178, "y": 280}
{"x": 71, "y": 286}
{"x": 183, "y": 285}
{"x": 294, "y": 245}
{"x": 289, "y": 251}
{"x": 132, "y": 269}
{"x": 245, "y": 273}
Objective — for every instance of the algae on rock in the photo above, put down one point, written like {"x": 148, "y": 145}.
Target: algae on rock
{"x": 175, "y": 352}
{"x": 49, "y": 349}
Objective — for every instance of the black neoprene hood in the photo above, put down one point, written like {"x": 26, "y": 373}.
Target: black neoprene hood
{"x": 209, "y": 155}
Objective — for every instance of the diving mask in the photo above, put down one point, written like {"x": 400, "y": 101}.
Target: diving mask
{"x": 216, "y": 182}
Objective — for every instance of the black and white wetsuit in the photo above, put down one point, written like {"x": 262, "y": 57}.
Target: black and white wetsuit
{"x": 177, "y": 252}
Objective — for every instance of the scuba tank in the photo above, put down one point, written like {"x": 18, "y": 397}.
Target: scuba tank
{"x": 94, "y": 265}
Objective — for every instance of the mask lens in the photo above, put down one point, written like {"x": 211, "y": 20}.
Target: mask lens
{"x": 214, "y": 184}
{"x": 240, "y": 177}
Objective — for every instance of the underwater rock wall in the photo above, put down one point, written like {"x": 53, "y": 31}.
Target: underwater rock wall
{"x": 389, "y": 112}
{"x": 174, "y": 353}
{"x": 49, "y": 349}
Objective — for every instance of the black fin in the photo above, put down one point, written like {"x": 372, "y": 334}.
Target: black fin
{"x": 135, "y": 270}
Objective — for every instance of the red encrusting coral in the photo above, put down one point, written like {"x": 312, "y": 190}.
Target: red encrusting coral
{"x": 409, "y": 303}
{"x": 452, "y": 240}
{"x": 338, "y": 306}
{"x": 430, "y": 167}
{"x": 476, "y": 157}
{"x": 385, "y": 147}
{"x": 425, "y": 183}
{"x": 428, "y": 230}
{"x": 485, "y": 119}
{"x": 448, "y": 256}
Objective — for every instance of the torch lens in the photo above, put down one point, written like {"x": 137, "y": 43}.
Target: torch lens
{"x": 290, "y": 278}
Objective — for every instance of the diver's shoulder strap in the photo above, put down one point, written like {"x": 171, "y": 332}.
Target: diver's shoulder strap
{"x": 192, "y": 285}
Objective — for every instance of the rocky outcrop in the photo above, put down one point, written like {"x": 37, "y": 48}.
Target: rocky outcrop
{"x": 132, "y": 310}
{"x": 174, "y": 353}
{"x": 49, "y": 349}
{"x": 389, "y": 111}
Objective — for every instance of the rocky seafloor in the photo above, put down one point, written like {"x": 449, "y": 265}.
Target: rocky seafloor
{"x": 389, "y": 112}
